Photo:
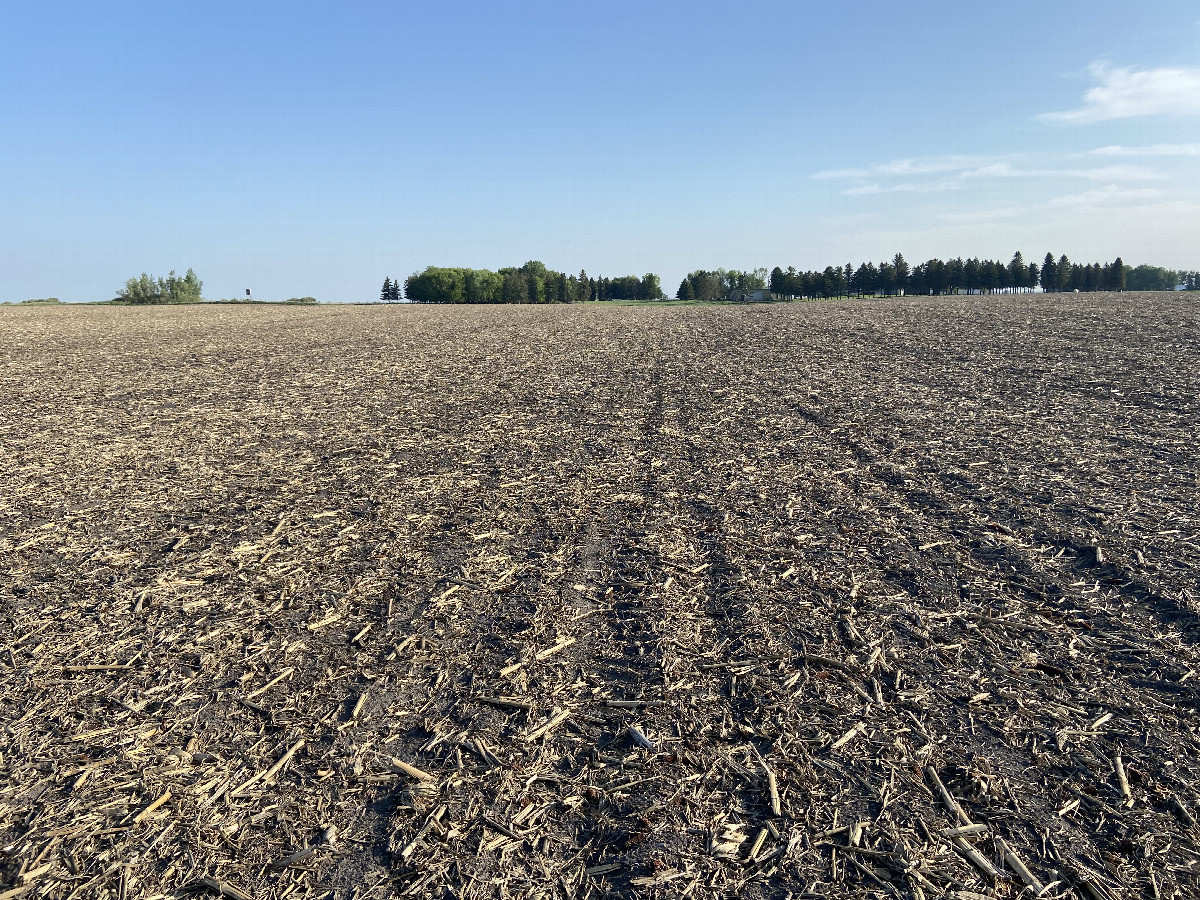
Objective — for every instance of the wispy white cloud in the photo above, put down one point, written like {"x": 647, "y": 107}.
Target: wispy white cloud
{"x": 1116, "y": 173}
{"x": 1104, "y": 173}
{"x": 998, "y": 170}
{"x": 972, "y": 216}
{"x": 1123, "y": 93}
{"x": 1156, "y": 150}
{"x": 1107, "y": 196}
{"x": 931, "y": 165}
{"x": 953, "y": 169}
{"x": 863, "y": 190}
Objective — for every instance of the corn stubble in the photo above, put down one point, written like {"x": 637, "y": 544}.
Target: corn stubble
{"x": 891, "y": 599}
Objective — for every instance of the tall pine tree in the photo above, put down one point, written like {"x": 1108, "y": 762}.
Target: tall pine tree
{"x": 1049, "y": 275}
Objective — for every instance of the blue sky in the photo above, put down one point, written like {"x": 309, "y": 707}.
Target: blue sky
{"x": 313, "y": 148}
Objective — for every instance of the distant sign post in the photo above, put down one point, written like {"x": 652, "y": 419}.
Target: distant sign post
{"x": 247, "y": 292}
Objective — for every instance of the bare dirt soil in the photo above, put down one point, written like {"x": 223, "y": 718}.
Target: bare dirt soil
{"x": 892, "y": 599}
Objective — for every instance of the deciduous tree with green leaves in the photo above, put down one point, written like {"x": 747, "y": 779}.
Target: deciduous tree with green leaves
{"x": 146, "y": 289}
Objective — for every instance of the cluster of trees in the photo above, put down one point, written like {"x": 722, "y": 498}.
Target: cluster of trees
{"x": 719, "y": 284}
{"x": 390, "y": 293}
{"x": 975, "y": 276}
{"x": 833, "y": 282}
{"x": 534, "y": 283}
{"x": 625, "y": 287}
{"x": 531, "y": 283}
{"x": 172, "y": 289}
{"x": 1064, "y": 275}
{"x": 1154, "y": 278}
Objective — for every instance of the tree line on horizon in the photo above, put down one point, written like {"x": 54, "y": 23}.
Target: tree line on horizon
{"x": 531, "y": 283}
{"x": 535, "y": 283}
{"x": 971, "y": 276}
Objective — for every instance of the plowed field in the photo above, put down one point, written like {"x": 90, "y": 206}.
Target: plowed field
{"x": 851, "y": 599}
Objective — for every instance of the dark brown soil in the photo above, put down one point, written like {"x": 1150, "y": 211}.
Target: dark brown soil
{"x": 540, "y": 602}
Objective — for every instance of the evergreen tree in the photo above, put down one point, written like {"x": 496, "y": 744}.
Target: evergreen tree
{"x": 776, "y": 284}
{"x": 385, "y": 295}
{"x": 1003, "y": 281}
{"x": 1048, "y": 274}
{"x": 1118, "y": 275}
{"x": 1066, "y": 277}
{"x": 829, "y": 282}
{"x": 887, "y": 278}
{"x": 901, "y": 269}
{"x": 918, "y": 282}
{"x": 970, "y": 275}
{"x": 935, "y": 277}
{"x": 954, "y": 275}
{"x": 1016, "y": 272}
{"x": 514, "y": 289}
{"x": 989, "y": 277}
{"x": 864, "y": 279}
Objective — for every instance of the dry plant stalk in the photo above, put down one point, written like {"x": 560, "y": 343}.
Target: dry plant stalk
{"x": 862, "y": 599}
